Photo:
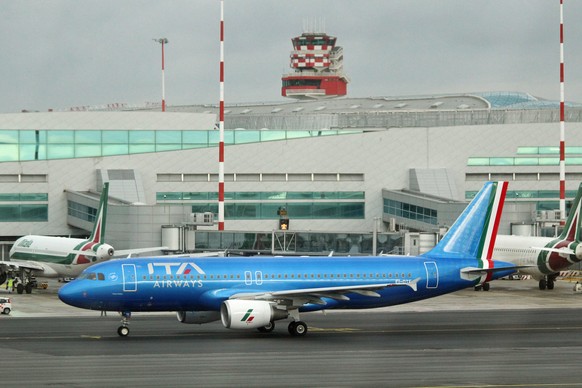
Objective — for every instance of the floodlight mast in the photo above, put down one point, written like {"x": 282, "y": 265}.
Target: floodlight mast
{"x": 163, "y": 41}
{"x": 562, "y": 123}
{"x": 221, "y": 126}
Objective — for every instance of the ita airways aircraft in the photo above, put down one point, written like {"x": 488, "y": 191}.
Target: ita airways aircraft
{"x": 544, "y": 257}
{"x": 48, "y": 256}
{"x": 253, "y": 293}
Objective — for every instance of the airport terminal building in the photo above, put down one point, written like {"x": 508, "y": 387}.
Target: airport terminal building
{"x": 346, "y": 171}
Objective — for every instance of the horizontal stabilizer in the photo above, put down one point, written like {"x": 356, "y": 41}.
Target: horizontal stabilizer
{"x": 473, "y": 273}
{"x": 562, "y": 251}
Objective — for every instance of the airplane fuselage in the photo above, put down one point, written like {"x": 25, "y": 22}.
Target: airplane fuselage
{"x": 202, "y": 284}
{"x": 59, "y": 256}
{"x": 525, "y": 251}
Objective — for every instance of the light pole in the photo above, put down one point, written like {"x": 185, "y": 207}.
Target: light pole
{"x": 221, "y": 126}
{"x": 163, "y": 41}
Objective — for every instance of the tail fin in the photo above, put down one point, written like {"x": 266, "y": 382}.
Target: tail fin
{"x": 571, "y": 230}
{"x": 98, "y": 233}
{"x": 473, "y": 234}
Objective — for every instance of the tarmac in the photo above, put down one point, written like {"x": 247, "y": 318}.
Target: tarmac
{"x": 504, "y": 295}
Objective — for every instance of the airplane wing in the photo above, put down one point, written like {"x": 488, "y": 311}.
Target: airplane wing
{"x": 129, "y": 252}
{"x": 296, "y": 298}
{"x": 198, "y": 254}
{"x": 17, "y": 264}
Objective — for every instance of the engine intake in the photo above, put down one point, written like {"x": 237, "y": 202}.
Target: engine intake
{"x": 249, "y": 314}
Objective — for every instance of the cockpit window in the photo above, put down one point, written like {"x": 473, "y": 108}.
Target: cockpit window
{"x": 92, "y": 276}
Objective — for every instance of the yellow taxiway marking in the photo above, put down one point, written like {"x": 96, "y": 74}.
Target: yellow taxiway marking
{"x": 334, "y": 330}
{"x": 92, "y": 336}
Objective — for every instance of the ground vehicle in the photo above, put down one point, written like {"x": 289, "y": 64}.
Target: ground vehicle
{"x": 5, "y": 305}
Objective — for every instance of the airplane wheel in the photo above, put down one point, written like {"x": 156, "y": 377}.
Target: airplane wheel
{"x": 268, "y": 328}
{"x": 477, "y": 288}
{"x": 20, "y": 288}
{"x": 297, "y": 329}
{"x": 550, "y": 284}
{"x": 123, "y": 331}
{"x": 28, "y": 288}
{"x": 542, "y": 284}
{"x": 486, "y": 286}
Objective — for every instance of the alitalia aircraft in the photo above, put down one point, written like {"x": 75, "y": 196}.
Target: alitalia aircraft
{"x": 544, "y": 257}
{"x": 49, "y": 256}
{"x": 253, "y": 293}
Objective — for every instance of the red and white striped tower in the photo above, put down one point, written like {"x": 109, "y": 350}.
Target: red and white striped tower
{"x": 221, "y": 126}
{"x": 317, "y": 65}
{"x": 163, "y": 41}
{"x": 562, "y": 124}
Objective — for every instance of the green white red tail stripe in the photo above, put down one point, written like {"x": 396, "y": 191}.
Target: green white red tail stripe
{"x": 496, "y": 202}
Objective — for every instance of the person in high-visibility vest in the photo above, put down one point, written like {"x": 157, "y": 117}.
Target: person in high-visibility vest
{"x": 10, "y": 285}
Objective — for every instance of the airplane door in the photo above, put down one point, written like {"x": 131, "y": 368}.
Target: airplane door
{"x": 432, "y": 274}
{"x": 129, "y": 278}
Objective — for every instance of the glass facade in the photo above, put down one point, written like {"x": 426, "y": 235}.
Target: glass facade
{"x": 246, "y": 205}
{"x": 84, "y": 212}
{"x": 532, "y": 156}
{"x": 539, "y": 196}
{"x": 16, "y": 211}
{"x": 541, "y": 161}
{"x": 412, "y": 212}
{"x": 548, "y": 150}
{"x": 307, "y": 243}
{"x": 26, "y": 145}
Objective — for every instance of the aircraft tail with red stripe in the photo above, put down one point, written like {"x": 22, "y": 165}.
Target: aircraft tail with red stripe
{"x": 473, "y": 235}
{"x": 98, "y": 233}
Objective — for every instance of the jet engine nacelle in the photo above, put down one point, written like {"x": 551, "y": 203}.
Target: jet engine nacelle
{"x": 578, "y": 252}
{"x": 249, "y": 314}
{"x": 198, "y": 317}
{"x": 104, "y": 252}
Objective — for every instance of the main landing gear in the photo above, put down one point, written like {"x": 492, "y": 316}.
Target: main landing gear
{"x": 484, "y": 287}
{"x": 123, "y": 330}
{"x": 547, "y": 282}
{"x": 297, "y": 328}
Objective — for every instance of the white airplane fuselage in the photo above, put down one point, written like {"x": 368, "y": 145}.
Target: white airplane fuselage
{"x": 541, "y": 255}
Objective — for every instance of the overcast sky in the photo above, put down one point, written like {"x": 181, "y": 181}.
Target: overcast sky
{"x": 68, "y": 53}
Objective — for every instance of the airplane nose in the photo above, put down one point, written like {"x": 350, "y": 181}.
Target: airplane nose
{"x": 70, "y": 294}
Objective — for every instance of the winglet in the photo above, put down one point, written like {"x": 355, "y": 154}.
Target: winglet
{"x": 98, "y": 233}
{"x": 473, "y": 234}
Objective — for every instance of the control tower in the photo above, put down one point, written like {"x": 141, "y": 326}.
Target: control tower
{"x": 318, "y": 68}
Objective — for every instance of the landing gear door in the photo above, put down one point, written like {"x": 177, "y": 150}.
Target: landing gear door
{"x": 129, "y": 278}
{"x": 432, "y": 274}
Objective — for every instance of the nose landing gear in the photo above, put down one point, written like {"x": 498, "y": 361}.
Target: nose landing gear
{"x": 123, "y": 330}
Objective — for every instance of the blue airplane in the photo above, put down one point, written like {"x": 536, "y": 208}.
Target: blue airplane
{"x": 247, "y": 293}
